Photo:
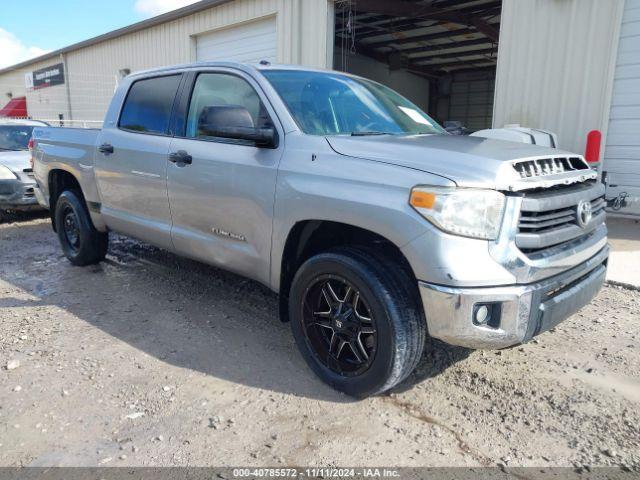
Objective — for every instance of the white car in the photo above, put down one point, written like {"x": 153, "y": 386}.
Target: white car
{"x": 16, "y": 176}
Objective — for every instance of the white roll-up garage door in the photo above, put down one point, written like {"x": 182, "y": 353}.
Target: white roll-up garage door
{"x": 248, "y": 43}
{"x": 622, "y": 154}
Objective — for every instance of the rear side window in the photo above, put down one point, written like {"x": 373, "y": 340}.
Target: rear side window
{"x": 148, "y": 105}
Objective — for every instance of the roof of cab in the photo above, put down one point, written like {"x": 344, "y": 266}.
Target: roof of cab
{"x": 247, "y": 67}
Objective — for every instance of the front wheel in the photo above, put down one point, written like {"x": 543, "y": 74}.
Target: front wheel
{"x": 356, "y": 320}
{"x": 81, "y": 243}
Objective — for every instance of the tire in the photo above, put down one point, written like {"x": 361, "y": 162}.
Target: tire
{"x": 7, "y": 216}
{"x": 81, "y": 243}
{"x": 384, "y": 329}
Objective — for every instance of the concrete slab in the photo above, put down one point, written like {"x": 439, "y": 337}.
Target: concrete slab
{"x": 624, "y": 263}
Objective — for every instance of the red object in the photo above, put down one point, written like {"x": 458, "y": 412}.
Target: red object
{"x": 592, "y": 152}
{"x": 16, "y": 108}
{"x": 30, "y": 145}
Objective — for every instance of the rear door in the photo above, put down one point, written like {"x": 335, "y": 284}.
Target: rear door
{"x": 222, "y": 200}
{"x": 131, "y": 162}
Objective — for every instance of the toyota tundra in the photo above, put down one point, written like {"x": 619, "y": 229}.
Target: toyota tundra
{"x": 375, "y": 226}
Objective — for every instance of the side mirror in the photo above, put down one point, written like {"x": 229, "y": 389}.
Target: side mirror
{"x": 262, "y": 137}
{"x": 235, "y": 122}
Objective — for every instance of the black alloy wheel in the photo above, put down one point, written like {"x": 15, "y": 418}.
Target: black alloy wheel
{"x": 339, "y": 325}
{"x": 357, "y": 319}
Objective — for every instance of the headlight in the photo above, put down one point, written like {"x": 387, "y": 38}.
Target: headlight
{"x": 6, "y": 174}
{"x": 462, "y": 211}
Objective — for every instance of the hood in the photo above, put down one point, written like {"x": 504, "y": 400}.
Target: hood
{"x": 15, "y": 161}
{"x": 468, "y": 161}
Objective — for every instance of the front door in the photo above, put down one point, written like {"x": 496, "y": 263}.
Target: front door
{"x": 221, "y": 190}
{"x": 131, "y": 162}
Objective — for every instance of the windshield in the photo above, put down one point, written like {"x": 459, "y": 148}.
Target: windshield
{"x": 324, "y": 103}
{"x": 15, "y": 137}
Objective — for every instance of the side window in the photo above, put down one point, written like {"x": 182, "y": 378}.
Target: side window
{"x": 222, "y": 102}
{"x": 147, "y": 107}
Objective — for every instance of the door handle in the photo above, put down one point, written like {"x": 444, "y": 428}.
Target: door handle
{"x": 180, "y": 157}
{"x": 105, "y": 148}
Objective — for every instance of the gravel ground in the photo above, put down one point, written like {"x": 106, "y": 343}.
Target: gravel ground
{"x": 153, "y": 360}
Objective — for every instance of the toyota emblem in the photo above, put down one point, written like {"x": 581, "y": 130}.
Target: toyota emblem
{"x": 584, "y": 213}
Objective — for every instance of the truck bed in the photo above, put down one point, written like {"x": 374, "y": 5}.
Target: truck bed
{"x": 72, "y": 146}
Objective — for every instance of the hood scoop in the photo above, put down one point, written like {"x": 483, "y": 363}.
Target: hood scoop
{"x": 544, "y": 172}
{"x": 549, "y": 166}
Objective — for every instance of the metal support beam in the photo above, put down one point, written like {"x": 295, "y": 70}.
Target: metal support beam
{"x": 403, "y": 8}
{"x": 472, "y": 69}
{"x": 370, "y": 24}
{"x": 468, "y": 53}
{"x": 445, "y": 46}
{"x": 383, "y": 57}
{"x": 450, "y": 3}
{"x": 425, "y": 38}
{"x": 485, "y": 28}
{"x": 484, "y": 62}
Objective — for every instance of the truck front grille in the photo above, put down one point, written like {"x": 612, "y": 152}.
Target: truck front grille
{"x": 552, "y": 218}
{"x": 549, "y": 220}
{"x": 541, "y": 167}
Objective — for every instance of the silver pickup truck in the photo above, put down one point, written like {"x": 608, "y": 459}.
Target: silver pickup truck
{"x": 374, "y": 225}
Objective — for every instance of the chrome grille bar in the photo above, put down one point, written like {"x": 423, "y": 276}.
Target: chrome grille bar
{"x": 549, "y": 219}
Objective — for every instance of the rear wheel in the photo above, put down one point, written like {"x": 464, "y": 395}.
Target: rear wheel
{"x": 81, "y": 242}
{"x": 356, "y": 320}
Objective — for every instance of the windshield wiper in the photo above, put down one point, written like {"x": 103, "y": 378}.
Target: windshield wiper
{"x": 9, "y": 149}
{"x": 366, "y": 134}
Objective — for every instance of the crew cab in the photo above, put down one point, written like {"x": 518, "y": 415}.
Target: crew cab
{"x": 375, "y": 226}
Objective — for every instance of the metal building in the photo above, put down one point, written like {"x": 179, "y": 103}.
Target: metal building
{"x": 622, "y": 152}
{"x": 569, "y": 66}
{"x": 241, "y": 30}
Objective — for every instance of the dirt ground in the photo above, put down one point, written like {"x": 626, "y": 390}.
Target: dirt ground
{"x": 153, "y": 360}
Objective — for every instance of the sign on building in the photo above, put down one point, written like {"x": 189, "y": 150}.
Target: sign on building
{"x": 28, "y": 80}
{"x": 48, "y": 76}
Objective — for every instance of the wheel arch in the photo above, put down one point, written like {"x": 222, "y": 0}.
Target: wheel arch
{"x": 310, "y": 237}
{"x": 58, "y": 181}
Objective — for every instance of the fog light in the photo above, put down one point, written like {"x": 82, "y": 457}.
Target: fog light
{"x": 481, "y": 316}
{"x": 487, "y": 314}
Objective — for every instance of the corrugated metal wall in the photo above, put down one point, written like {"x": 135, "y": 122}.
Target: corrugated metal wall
{"x": 47, "y": 103}
{"x": 622, "y": 160}
{"x": 92, "y": 71}
{"x": 555, "y": 66}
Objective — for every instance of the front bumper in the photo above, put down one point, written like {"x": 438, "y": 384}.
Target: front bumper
{"x": 523, "y": 311}
{"x": 17, "y": 195}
